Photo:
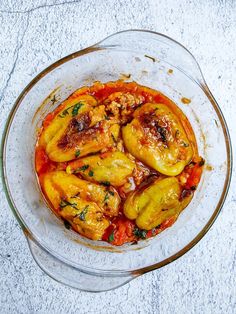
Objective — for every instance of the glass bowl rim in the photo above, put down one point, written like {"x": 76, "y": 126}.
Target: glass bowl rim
{"x": 89, "y": 270}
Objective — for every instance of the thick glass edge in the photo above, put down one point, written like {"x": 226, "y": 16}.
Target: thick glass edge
{"x": 98, "y": 272}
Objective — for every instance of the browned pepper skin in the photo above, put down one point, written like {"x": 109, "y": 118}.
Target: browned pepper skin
{"x": 156, "y": 137}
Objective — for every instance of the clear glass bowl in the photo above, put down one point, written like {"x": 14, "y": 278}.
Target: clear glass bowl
{"x": 149, "y": 59}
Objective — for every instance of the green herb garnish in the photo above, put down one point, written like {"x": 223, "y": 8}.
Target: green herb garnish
{"x": 77, "y": 153}
{"x": 106, "y": 117}
{"x": 65, "y": 203}
{"x": 106, "y": 198}
{"x": 90, "y": 173}
{"x": 185, "y": 144}
{"x": 83, "y": 168}
{"x": 65, "y": 112}
{"x": 111, "y": 192}
{"x": 76, "y": 108}
{"x": 113, "y": 138}
{"x": 139, "y": 233}
{"x": 111, "y": 237}
{"x": 83, "y": 213}
{"x": 106, "y": 183}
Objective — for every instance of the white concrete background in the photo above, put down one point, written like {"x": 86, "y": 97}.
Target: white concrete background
{"x": 33, "y": 34}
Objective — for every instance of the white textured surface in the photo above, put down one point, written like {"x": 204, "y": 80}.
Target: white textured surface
{"x": 34, "y": 34}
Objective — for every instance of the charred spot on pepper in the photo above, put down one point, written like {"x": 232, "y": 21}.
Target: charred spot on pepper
{"x": 153, "y": 126}
{"x": 163, "y": 133}
{"x": 185, "y": 144}
{"x": 76, "y": 125}
{"x": 201, "y": 162}
{"x": 63, "y": 142}
{"x": 73, "y": 139}
{"x": 80, "y": 123}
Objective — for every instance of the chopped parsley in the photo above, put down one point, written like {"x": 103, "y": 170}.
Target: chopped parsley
{"x": 185, "y": 144}
{"x": 90, "y": 173}
{"x": 83, "y": 168}
{"x": 113, "y": 137}
{"x": 65, "y": 203}
{"x": 76, "y": 108}
{"x": 111, "y": 237}
{"x": 106, "y": 183}
{"x": 83, "y": 213}
{"x": 63, "y": 114}
{"x": 106, "y": 198}
{"x": 111, "y": 192}
{"x": 139, "y": 233}
{"x": 77, "y": 153}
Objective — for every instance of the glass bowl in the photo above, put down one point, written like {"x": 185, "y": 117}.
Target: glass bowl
{"x": 150, "y": 59}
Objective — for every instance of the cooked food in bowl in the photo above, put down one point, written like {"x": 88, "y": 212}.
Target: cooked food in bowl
{"x": 117, "y": 162}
